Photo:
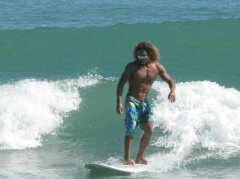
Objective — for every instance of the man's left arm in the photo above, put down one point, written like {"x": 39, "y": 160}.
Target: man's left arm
{"x": 165, "y": 76}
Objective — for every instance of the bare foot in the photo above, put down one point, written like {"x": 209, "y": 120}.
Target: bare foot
{"x": 141, "y": 161}
{"x": 128, "y": 162}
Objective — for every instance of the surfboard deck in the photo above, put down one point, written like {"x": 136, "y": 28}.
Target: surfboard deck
{"x": 118, "y": 169}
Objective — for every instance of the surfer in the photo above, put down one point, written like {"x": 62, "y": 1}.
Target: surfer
{"x": 140, "y": 75}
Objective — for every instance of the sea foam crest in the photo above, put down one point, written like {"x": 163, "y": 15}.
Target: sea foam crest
{"x": 205, "y": 115}
{"x": 32, "y": 108}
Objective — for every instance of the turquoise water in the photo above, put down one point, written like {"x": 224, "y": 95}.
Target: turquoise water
{"x": 60, "y": 64}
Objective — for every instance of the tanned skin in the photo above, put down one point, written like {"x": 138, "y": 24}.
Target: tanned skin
{"x": 140, "y": 77}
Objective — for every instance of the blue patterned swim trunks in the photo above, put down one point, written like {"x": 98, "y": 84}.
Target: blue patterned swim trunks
{"x": 137, "y": 112}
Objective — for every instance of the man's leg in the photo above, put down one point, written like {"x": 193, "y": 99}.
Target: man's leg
{"x": 148, "y": 130}
{"x": 127, "y": 149}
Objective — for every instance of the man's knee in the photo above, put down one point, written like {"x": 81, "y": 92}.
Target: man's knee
{"x": 149, "y": 132}
{"x": 148, "y": 129}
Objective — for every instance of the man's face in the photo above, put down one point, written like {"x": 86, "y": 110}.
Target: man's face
{"x": 142, "y": 56}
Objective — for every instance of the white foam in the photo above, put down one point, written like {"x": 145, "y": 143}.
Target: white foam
{"x": 32, "y": 108}
{"x": 205, "y": 114}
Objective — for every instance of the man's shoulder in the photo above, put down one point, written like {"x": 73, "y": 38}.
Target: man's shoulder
{"x": 156, "y": 65}
{"x": 160, "y": 67}
{"x": 131, "y": 64}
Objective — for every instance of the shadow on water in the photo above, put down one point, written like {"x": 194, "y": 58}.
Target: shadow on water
{"x": 106, "y": 174}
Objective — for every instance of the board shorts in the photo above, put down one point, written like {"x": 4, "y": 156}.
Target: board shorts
{"x": 137, "y": 112}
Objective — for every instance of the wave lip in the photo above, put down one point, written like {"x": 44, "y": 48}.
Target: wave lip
{"x": 205, "y": 116}
{"x": 32, "y": 108}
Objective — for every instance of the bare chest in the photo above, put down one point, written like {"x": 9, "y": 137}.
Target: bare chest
{"x": 147, "y": 74}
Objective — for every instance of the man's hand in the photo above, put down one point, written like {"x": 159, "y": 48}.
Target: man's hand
{"x": 172, "y": 96}
{"x": 119, "y": 109}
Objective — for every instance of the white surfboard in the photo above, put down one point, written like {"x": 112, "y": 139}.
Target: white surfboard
{"x": 117, "y": 169}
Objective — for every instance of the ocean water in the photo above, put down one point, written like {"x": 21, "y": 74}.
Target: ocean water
{"x": 60, "y": 62}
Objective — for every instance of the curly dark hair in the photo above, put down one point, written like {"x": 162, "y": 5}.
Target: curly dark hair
{"x": 151, "y": 50}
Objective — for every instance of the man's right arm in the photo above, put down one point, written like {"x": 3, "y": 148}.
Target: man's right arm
{"x": 124, "y": 78}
